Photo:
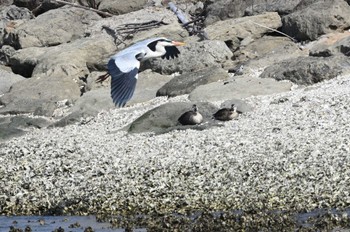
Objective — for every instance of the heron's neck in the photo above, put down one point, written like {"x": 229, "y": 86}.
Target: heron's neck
{"x": 160, "y": 51}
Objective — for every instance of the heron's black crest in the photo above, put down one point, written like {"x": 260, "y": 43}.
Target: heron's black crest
{"x": 171, "y": 52}
{"x": 153, "y": 45}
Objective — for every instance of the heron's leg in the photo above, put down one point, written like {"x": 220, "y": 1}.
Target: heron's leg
{"x": 102, "y": 78}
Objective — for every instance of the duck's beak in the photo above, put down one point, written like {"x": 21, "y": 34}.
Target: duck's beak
{"x": 176, "y": 43}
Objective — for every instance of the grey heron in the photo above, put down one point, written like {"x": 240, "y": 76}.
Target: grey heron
{"x": 123, "y": 67}
{"x": 226, "y": 114}
{"x": 191, "y": 117}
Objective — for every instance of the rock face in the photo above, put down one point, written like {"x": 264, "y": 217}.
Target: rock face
{"x": 245, "y": 27}
{"x": 49, "y": 29}
{"x": 121, "y": 7}
{"x": 317, "y": 19}
{"x": 307, "y": 70}
{"x": 209, "y": 53}
{"x": 164, "y": 118}
{"x": 187, "y": 82}
{"x": 240, "y": 87}
{"x": 7, "y": 79}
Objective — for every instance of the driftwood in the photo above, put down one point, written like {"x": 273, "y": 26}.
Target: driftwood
{"x": 106, "y": 14}
{"x": 124, "y": 31}
{"x": 194, "y": 27}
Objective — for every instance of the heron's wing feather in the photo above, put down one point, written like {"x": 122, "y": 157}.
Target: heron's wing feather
{"x": 171, "y": 52}
{"x": 123, "y": 82}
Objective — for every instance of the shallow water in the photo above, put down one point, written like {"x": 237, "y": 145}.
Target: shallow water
{"x": 50, "y": 223}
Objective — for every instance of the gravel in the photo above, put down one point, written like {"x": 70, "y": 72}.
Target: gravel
{"x": 290, "y": 153}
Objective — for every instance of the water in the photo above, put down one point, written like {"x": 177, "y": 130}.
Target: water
{"x": 50, "y": 223}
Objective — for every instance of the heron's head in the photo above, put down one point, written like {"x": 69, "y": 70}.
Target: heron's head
{"x": 167, "y": 42}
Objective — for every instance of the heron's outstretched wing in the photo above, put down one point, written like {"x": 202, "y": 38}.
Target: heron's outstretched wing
{"x": 124, "y": 78}
{"x": 171, "y": 52}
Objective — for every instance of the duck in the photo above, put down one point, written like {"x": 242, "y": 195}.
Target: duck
{"x": 191, "y": 117}
{"x": 226, "y": 114}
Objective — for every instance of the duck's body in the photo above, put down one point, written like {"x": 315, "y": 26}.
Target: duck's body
{"x": 124, "y": 66}
{"x": 226, "y": 114}
{"x": 192, "y": 117}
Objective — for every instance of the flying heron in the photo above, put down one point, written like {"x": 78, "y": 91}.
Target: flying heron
{"x": 124, "y": 66}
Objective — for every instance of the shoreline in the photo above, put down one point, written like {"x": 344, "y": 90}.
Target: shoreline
{"x": 289, "y": 153}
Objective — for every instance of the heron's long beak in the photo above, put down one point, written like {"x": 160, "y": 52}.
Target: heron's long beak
{"x": 176, "y": 43}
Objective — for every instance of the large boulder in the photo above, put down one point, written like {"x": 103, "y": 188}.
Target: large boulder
{"x": 52, "y": 28}
{"x": 245, "y": 27}
{"x": 283, "y": 7}
{"x": 164, "y": 118}
{"x": 308, "y": 70}
{"x": 330, "y": 44}
{"x": 38, "y": 95}
{"x": 265, "y": 51}
{"x": 240, "y": 87}
{"x": 121, "y": 7}
{"x": 7, "y": 79}
{"x": 116, "y": 29}
{"x": 194, "y": 56}
{"x": 185, "y": 83}
{"x": 317, "y": 19}
{"x": 224, "y": 9}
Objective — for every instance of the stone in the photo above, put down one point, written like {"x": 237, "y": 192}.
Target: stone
{"x": 164, "y": 118}
{"x": 283, "y": 7}
{"x": 241, "y": 28}
{"x": 307, "y": 70}
{"x": 204, "y": 54}
{"x": 317, "y": 19}
{"x": 330, "y": 44}
{"x": 5, "y": 54}
{"x": 239, "y": 88}
{"x": 7, "y": 79}
{"x": 13, "y": 13}
{"x": 52, "y": 28}
{"x": 185, "y": 83}
{"x": 121, "y": 7}
{"x": 38, "y": 95}
{"x": 266, "y": 51}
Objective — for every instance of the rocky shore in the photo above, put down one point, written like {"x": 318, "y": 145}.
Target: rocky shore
{"x": 66, "y": 150}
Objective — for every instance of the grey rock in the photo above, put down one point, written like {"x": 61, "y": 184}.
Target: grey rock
{"x": 164, "y": 118}
{"x": 317, "y": 19}
{"x": 14, "y": 126}
{"x": 38, "y": 95}
{"x": 13, "y": 13}
{"x": 52, "y": 28}
{"x": 241, "y": 105}
{"x": 265, "y": 51}
{"x": 333, "y": 45}
{"x": 23, "y": 61}
{"x": 121, "y": 7}
{"x": 7, "y": 79}
{"x": 147, "y": 85}
{"x": 194, "y": 56}
{"x": 187, "y": 82}
{"x": 245, "y": 27}
{"x": 90, "y": 104}
{"x": 5, "y": 53}
{"x": 283, "y": 7}
{"x": 30, "y": 4}
{"x": 241, "y": 87}
{"x": 307, "y": 70}
{"x": 224, "y": 9}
